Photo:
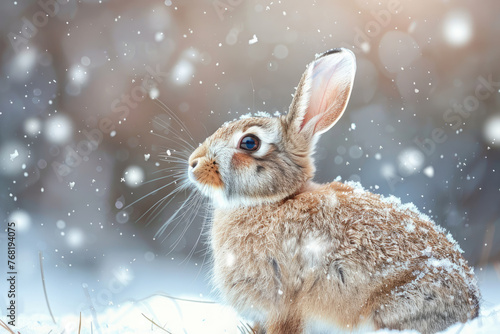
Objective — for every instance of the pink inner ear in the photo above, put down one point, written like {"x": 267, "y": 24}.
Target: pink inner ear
{"x": 322, "y": 91}
{"x": 327, "y": 83}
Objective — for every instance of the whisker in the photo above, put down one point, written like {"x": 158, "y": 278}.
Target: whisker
{"x": 174, "y": 158}
{"x": 174, "y": 116}
{"x": 176, "y": 140}
{"x": 159, "y": 204}
{"x": 167, "y": 223}
{"x": 197, "y": 207}
{"x": 207, "y": 217}
{"x": 179, "y": 173}
{"x": 181, "y": 158}
{"x": 203, "y": 261}
{"x": 206, "y": 131}
{"x": 149, "y": 194}
{"x": 185, "y": 145}
{"x": 171, "y": 130}
{"x": 193, "y": 249}
{"x": 168, "y": 159}
{"x": 178, "y": 164}
{"x": 163, "y": 123}
{"x": 189, "y": 213}
{"x": 167, "y": 126}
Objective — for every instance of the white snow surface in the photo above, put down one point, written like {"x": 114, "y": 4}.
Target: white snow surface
{"x": 182, "y": 316}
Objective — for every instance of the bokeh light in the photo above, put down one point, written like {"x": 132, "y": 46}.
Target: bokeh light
{"x": 492, "y": 130}
{"x": 58, "y": 129}
{"x": 134, "y": 176}
{"x": 457, "y": 27}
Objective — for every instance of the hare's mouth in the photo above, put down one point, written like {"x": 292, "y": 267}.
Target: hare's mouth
{"x": 215, "y": 194}
{"x": 204, "y": 174}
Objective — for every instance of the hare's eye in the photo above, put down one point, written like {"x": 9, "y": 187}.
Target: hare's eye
{"x": 250, "y": 143}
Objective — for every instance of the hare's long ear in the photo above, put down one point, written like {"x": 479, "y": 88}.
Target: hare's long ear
{"x": 322, "y": 94}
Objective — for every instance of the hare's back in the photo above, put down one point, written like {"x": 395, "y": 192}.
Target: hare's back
{"x": 383, "y": 233}
{"x": 395, "y": 231}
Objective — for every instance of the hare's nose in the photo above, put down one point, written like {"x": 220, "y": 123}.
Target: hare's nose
{"x": 194, "y": 164}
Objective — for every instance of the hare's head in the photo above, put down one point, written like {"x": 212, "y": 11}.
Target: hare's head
{"x": 262, "y": 160}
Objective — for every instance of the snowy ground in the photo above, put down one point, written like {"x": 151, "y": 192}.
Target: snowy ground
{"x": 161, "y": 314}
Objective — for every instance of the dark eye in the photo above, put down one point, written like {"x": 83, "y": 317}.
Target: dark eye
{"x": 250, "y": 143}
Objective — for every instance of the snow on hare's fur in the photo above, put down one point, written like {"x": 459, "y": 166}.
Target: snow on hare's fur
{"x": 289, "y": 252}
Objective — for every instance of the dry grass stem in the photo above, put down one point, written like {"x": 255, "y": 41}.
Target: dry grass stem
{"x": 154, "y": 323}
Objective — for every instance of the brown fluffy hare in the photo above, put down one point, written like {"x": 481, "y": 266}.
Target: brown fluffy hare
{"x": 289, "y": 253}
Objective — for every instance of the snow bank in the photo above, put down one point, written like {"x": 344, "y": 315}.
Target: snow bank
{"x": 157, "y": 314}
{"x": 188, "y": 317}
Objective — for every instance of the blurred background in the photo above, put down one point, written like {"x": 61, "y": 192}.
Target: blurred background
{"x": 90, "y": 93}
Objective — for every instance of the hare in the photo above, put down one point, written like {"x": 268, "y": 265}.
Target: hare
{"x": 289, "y": 253}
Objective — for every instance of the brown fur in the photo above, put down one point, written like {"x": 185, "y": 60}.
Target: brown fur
{"x": 241, "y": 160}
{"x": 208, "y": 174}
{"x": 288, "y": 251}
{"x": 359, "y": 247}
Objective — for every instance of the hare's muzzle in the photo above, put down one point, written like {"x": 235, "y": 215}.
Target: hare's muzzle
{"x": 204, "y": 171}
